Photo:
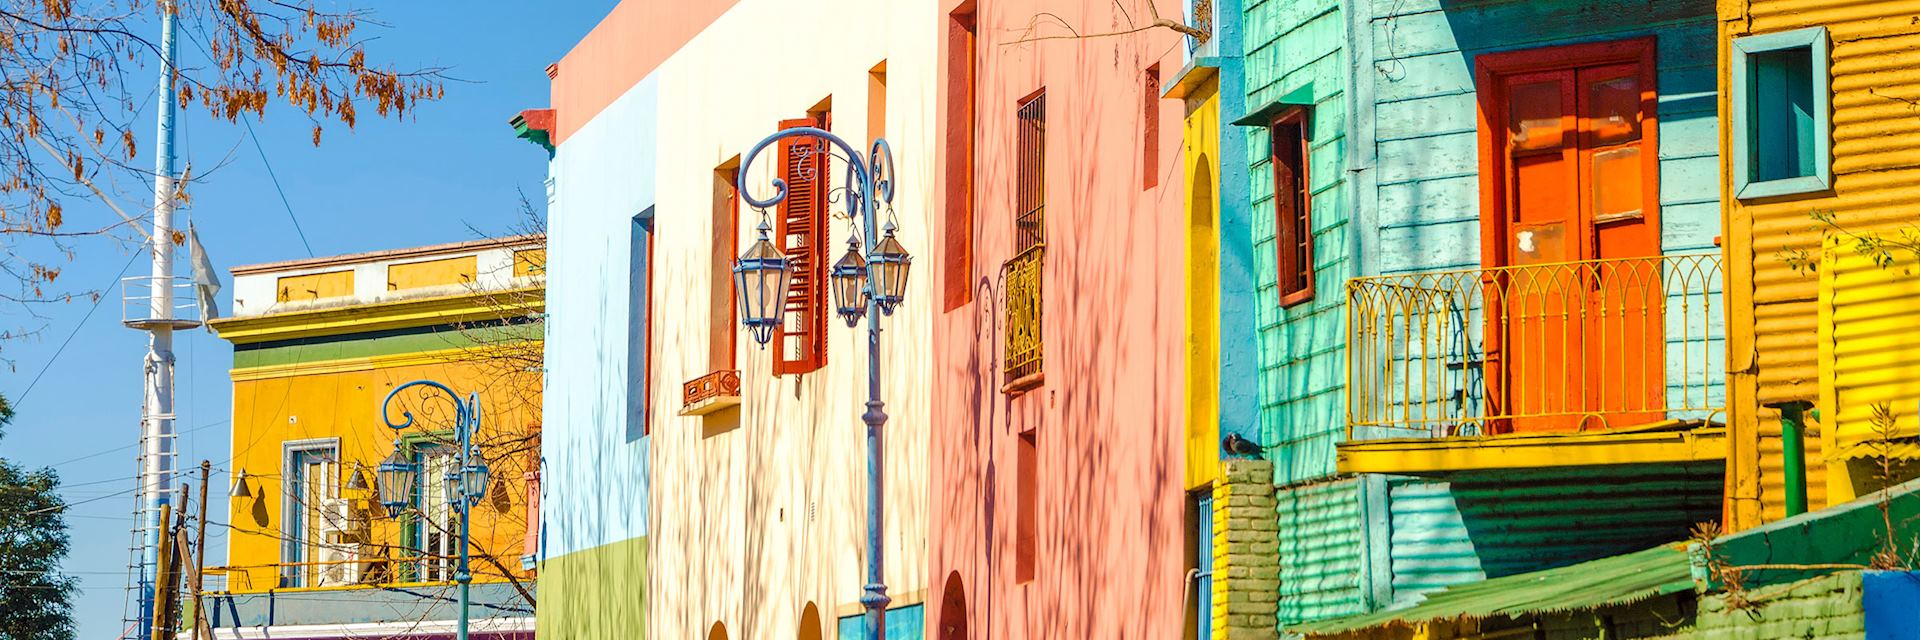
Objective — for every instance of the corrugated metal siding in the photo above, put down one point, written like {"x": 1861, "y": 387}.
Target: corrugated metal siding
{"x": 1323, "y": 551}
{"x": 1489, "y": 524}
{"x": 1872, "y": 357}
{"x": 1876, "y": 184}
{"x": 1291, "y": 45}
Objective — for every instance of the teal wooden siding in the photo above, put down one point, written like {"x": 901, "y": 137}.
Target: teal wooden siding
{"x": 1297, "y": 49}
{"x": 1489, "y": 524}
{"x": 1323, "y": 551}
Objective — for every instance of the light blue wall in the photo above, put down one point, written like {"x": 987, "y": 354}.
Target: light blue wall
{"x": 1297, "y": 49}
{"x": 594, "y": 477}
{"x": 1239, "y": 364}
{"x": 903, "y": 623}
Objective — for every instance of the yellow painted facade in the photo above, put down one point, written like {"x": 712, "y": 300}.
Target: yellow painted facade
{"x": 457, "y": 270}
{"x": 1201, "y": 170}
{"x": 297, "y": 400}
{"x": 314, "y": 286}
{"x": 1817, "y": 335}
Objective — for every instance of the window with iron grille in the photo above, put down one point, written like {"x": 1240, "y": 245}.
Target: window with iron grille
{"x": 1292, "y": 206}
{"x": 801, "y": 340}
{"x": 1023, "y": 273}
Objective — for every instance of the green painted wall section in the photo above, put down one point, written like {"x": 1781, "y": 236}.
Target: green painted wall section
{"x": 379, "y": 344}
{"x": 1296, "y": 48}
{"x": 1814, "y": 609}
{"x": 595, "y": 593}
{"x": 1323, "y": 550}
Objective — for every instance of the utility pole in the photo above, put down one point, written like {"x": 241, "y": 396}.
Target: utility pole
{"x": 161, "y": 560}
{"x": 149, "y": 306}
{"x": 200, "y": 555}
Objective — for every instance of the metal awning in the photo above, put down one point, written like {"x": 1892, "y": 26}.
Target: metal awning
{"x": 1616, "y": 580}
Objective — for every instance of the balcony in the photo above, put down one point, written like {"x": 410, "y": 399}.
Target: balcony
{"x": 1577, "y": 348}
{"x": 710, "y": 393}
{"x": 1024, "y": 276}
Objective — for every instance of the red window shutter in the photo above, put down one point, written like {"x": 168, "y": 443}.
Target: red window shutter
{"x": 1292, "y": 208}
{"x": 801, "y": 341}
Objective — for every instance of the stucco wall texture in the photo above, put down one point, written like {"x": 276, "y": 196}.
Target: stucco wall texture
{"x": 1108, "y": 419}
{"x": 745, "y": 523}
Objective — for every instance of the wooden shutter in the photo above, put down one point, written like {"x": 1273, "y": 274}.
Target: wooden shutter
{"x": 1292, "y": 217}
{"x": 801, "y": 341}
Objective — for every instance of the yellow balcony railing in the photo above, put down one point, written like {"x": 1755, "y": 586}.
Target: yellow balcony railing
{"x": 1024, "y": 277}
{"x": 1576, "y": 346}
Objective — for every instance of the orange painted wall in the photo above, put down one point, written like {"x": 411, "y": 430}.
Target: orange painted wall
{"x": 627, "y": 45}
{"x": 1109, "y": 534}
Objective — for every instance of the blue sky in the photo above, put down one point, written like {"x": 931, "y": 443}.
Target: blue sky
{"x": 451, "y": 167}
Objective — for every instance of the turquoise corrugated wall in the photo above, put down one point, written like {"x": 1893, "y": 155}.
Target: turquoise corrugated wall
{"x": 1297, "y": 49}
{"x": 1490, "y": 524}
{"x": 1323, "y": 551}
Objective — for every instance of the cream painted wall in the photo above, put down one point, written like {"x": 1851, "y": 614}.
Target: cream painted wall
{"x": 750, "y": 525}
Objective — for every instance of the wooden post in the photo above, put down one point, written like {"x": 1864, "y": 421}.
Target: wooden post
{"x": 160, "y": 576}
{"x": 200, "y": 629}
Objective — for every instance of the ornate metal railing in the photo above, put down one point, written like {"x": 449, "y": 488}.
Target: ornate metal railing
{"x": 710, "y": 392}
{"x": 1576, "y": 346}
{"x": 1024, "y": 277}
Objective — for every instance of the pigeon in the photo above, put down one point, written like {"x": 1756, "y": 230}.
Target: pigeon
{"x": 1237, "y": 445}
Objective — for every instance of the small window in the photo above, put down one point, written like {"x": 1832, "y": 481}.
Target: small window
{"x": 1292, "y": 205}
{"x": 725, "y": 244}
{"x": 958, "y": 233}
{"x": 639, "y": 325}
{"x": 1782, "y": 144}
{"x": 1150, "y": 138}
{"x": 1026, "y": 525}
{"x": 317, "y": 519}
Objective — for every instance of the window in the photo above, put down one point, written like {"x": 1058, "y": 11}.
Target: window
{"x": 317, "y": 521}
{"x": 1150, "y": 125}
{"x": 958, "y": 245}
{"x": 1292, "y": 207}
{"x": 877, "y": 102}
{"x": 800, "y": 343}
{"x": 640, "y": 325}
{"x": 1782, "y": 144}
{"x": 1024, "y": 274}
{"x": 1026, "y": 525}
{"x": 434, "y": 533}
{"x": 725, "y": 243}
{"x": 314, "y": 286}
{"x": 1200, "y": 563}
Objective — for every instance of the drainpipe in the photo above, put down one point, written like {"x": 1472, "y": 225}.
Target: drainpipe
{"x": 1793, "y": 452}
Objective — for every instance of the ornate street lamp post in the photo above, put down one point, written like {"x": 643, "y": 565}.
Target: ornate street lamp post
{"x": 465, "y": 484}
{"x": 866, "y": 286}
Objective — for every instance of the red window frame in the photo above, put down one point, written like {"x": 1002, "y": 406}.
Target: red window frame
{"x": 801, "y": 229}
{"x": 1292, "y": 211}
{"x": 962, "y": 70}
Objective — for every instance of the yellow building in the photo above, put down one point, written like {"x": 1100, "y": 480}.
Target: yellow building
{"x": 1819, "y": 153}
{"x": 318, "y": 344}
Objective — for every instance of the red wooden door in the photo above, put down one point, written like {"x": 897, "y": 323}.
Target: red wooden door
{"x": 1574, "y": 331}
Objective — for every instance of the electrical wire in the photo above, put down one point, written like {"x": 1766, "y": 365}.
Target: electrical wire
{"x": 22, "y": 398}
{"x": 276, "y": 185}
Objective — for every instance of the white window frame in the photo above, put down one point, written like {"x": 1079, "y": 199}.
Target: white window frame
{"x": 1743, "y": 48}
{"x": 291, "y": 504}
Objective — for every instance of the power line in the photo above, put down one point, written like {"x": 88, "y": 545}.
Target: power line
{"x": 276, "y": 185}
{"x": 76, "y": 331}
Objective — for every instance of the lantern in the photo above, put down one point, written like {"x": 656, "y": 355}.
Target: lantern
{"x": 850, "y": 284}
{"x": 474, "y": 478}
{"x": 760, "y": 282}
{"x": 890, "y": 263}
{"x": 396, "y": 482}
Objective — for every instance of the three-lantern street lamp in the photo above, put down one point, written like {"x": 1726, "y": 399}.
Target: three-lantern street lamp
{"x": 465, "y": 484}
{"x": 865, "y": 285}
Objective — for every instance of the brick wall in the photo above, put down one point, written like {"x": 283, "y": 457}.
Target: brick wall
{"x": 1814, "y": 609}
{"x": 1246, "y": 584}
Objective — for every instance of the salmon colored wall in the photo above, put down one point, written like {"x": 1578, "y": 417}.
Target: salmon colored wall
{"x": 270, "y": 411}
{"x": 1110, "y": 436}
{"x": 627, "y": 45}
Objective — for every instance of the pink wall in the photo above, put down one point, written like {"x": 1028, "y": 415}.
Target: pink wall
{"x": 1110, "y": 558}
{"x": 627, "y": 45}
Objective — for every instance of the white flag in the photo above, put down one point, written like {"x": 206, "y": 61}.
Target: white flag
{"x": 206, "y": 281}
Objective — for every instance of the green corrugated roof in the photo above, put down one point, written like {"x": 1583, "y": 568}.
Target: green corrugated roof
{"x": 1613, "y": 580}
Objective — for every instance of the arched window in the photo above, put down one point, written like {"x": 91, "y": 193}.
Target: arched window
{"x": 810, "y": 623}
{"x": 953, "y": 610}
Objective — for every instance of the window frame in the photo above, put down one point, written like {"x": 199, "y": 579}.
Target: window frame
{"x": 1300, "y": 116}
{"x": 1742, "y": 50}
{"x": 293, "y": 544}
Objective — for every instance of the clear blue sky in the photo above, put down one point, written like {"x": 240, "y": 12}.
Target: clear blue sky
{"x": 451, "y": 166}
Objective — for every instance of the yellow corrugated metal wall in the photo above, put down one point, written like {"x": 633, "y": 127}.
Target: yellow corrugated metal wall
{"x": 1776, "y": 350}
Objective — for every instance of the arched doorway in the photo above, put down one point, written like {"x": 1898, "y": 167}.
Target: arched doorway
{"x": 719, "y": 631}
{"x": 1203, "y": 326}
{"x": 810, "y": 628}
{"x": 953, "y": 610}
